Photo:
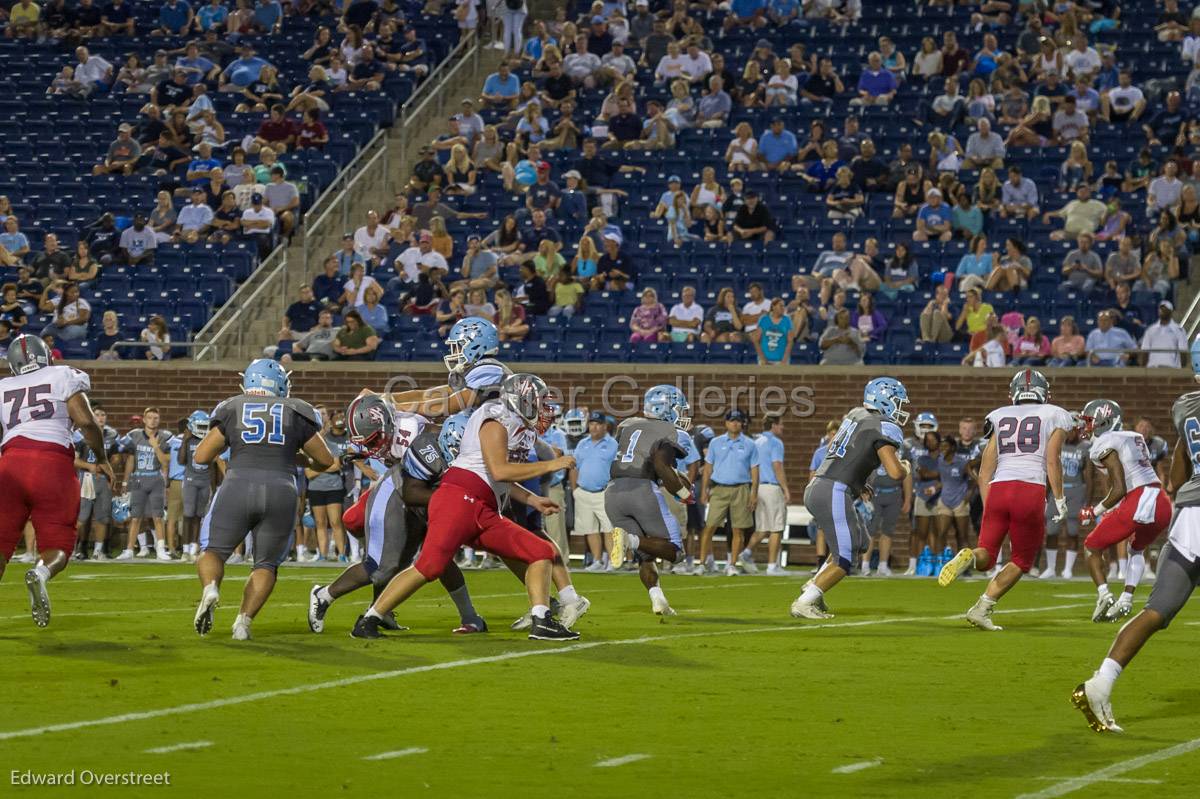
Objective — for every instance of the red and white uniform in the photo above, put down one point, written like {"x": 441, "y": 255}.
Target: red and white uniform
{"x": 464, "y": 510}
{"x": 407, "y": 427}
{"x": 1145, "y": 511}
{"x": 37, "y": 459}
{"x": 1016, "y": 503}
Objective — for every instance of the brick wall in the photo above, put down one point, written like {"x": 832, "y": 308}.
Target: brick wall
{"x": 809, "y": 397}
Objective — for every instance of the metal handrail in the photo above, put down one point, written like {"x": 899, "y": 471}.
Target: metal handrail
{"x": 1191, "y": 324}
{"x": 243, "y": 304}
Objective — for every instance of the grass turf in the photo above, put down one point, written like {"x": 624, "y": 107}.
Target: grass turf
{"x": 731, "y": 697}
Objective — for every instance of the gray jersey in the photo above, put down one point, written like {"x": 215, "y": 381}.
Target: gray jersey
{"x": 853, "y": 452}
{"x": 1074, "y": 461}
{"x": 638, "y": 439}
{"x": 192, "y": 472}
{"x": 914, "y": 451}
{"x": 138, "y": 444}
{"x": 484, "y": 378}
{"x": 84, "y": 452}
{"x": 424, "y": 459}
{"x": 1186, "y": 416}
{"x": 265, "y": 433}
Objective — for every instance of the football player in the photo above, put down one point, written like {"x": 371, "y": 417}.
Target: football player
{"x": 1178, "y": 566}
{"x": 1023, "y": 453}
{"x": 197, "y": 482}
{"x": 647, "y": 451}
{"x": 147, "y": 454}
{"x": 42, "y": 406}
{"x": 474, "y": 376}
{"x": 869, "y": 437}
{"x": 1078, "y": 475}
{"x": 1135, "y": 509}
{"x": 919, "y": 448}
{"x": 95, "y": 506}
{"x": 264, "y": 429}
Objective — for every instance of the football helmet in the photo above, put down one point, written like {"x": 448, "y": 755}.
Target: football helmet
{"x": 573, "y": 422}
{"x": 1029, "y": 385}
{"x": 887, "y": 395}
{"x": 470, "y": 341}
{"x": 266, "y": 377}
{"x": 1196, "y": 358}
{"x": 27, "y": 354}
{"x": 525, "y": 395}
{"x": 450, "y": 439}
{"x": 925, "y": 422}
{"x": 197, "y": 424}
{"x": 669, "y": 404}
{"x": 1100, "y": 416}
{"x": 371, "y": 425}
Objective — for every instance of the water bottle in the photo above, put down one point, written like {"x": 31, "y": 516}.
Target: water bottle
{"x": 939, "y": 560}
{"x": 925, "y": 563}
{"x": 947, "y": 556}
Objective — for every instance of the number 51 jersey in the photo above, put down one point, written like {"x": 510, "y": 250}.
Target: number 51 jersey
{"x": 265, "y": 433}
{"x": 1022, "y": 433}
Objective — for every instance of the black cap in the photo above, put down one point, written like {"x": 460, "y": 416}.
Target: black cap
{"x": 735, "y": 416}
{"x": 597, "y": 416}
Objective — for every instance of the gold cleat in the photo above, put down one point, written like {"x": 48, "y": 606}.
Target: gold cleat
{"x": 956, "y": 566}
{"x": 1079, "y": 699}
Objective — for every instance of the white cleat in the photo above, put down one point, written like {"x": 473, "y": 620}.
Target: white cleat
{"x": 884, "y": 570}
{"x": 1068, "y": 575}
{"x": 747, "y": 563}
{"x": 775, "y": 570}
{"x": 809, "y": 610}
{"x": 699, "y": 570}
{"x": 1120, "y": 609}
{"x": 143, "y": 552}
{"x": 164, "y": 556}
{"x": 126, "y": 554}
{"x": 731, "y": 571}
{"x": 39, "y": 598}
{"x": 1035, "y": 572}
{"x": 572, "y": 611}
{"x": 982, "y": 618}
{"x": 1103, "y": 603}
{"x": 1095, "y": 706}
{"x": 241, "y": 628}
{"x": 25, "y": 557}
{"x": 234, "y": 559}
{"x": 204, "y": 614}
{"x": 523, "y": 623}
{"x": 316, "y": 610}
{"x": 660, "y": 606}
{"x": 594, "y": 566}
{"x": 99, "y": 556}
{"x": 1048, "y": 574}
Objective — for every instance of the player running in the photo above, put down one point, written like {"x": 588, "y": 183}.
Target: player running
{"x": 1077, "y": 474}
{"x": 391, "y": 512}
{"x": 1023, "y": 452}
{"x": 264, "y": 430}
{"x": 647, "y": 451}
{"x": 492, "y": 459}
{"x": 1178, "y": 566}
{"x": 40, "y": 408}
{"x": 474, "y": 375}
{"x": 1135, "y": 508}
{"x": 870, "y": 436}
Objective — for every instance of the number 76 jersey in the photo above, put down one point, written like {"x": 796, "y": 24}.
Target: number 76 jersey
{"x": 1022, "y": 433}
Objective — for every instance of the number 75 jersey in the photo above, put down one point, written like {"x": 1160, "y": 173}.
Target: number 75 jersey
{"x": 34, "y": 405}
{"x": 265, "y": 433}
{"x": 1022, "y": 433}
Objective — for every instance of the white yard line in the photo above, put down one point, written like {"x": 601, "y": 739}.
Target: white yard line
{"x": 1121, "y": 780}
{"x": 620, "y": 761}
{"x": 229, "y": 701}
{"x": 853, "y": 767}
{"x": 1106, "y": 774}
{"x": 414, "y": 750}
{"x": 165, "y": 750}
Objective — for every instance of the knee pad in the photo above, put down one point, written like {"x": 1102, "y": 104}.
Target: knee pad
{"x": 844, "y": 564}
{"x": 371, "y": 566}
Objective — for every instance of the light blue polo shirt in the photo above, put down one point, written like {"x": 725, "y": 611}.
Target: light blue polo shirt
{"x": 557, "y": 438}
{"x": 175, "y": 471}
{"x": 691, "y": 454}
{"x": 731, "y": 459}
{"x": 593, "y": 459}
{"x": 770, "y": 452}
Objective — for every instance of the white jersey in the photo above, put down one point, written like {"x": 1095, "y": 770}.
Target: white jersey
{"x": 408, "y": 426}
{"x": 1022, "y": 433}
{"x": 34, "y": 405}
{"x": 521, "y": 439}
{"x": 1134, "y": 454}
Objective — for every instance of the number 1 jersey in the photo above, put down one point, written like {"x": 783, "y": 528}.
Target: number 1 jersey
{"x": 1022, "y": 433}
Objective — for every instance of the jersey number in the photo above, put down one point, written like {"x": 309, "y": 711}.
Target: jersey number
{"x": 1191, "y": 428}
{"x": 627, "y": 456}
{"x": 1027, "y": 438}
{"x": 31, "y": 397}
{"x": 837, "y": 447}
{"x": 254, "y": 420}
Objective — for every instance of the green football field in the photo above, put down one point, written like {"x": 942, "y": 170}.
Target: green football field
{"x": 732, "y": 697}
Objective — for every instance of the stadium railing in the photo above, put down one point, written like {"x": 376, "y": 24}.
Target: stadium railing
{"x": 271, "y": 275}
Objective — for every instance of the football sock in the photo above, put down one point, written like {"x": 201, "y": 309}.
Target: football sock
{"x": 41, "y": 571}
{"x": 160, "y": 547}
{"x": 1070, "y": 564}
{"x": 1051, "y": 560}
{"x": 657, "y": 593}
{"x": 301, "y": 551}
{"x": 986, "y": 602}
{"x": 912, "y": 563}
{"x": 97, "y": 547}
{"x": 1102, "y": 589}
{"x": 142, "y": 540}
{"x": 372, "y": 613}
{"x": 462, "y": 601}
{"x": 1123, "y": 566}
{"x": 1108, "y": 673}
{"x": 1137, "y": 567}
{"x": 540, "y": 611}
{"x": 747, "y": 553}
{"x": 811, "y": 593}
{"x": 568, "y": 594}
{"x": 866, "y": 566}
{"x": 355, "y": 548}
{"x": 324, "y": 594}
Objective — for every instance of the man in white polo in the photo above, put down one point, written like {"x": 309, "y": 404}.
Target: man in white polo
{"x": 686, "y": 317}
{"x": 770, "y": 514}
{"x": 1165, "y": 339}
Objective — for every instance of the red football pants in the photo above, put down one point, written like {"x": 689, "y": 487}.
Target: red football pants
{"x": 1017, "y": 510}
{"x": 354, "y": 519}
{"x": 38, "y": 483}
{"x": 1118, "y": 523}
{"x": 463, "y": 512}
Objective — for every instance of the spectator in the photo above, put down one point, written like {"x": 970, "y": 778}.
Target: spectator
{"x": 823, "y": 86}
{"x": 138, "y": 243}
{"x": 276, "y": 131}
{"x": 984, "y": 148}
{"x": 900, "y": 273}
{"x": 1168, "y": 229}
{"x": 201, "y": 168}
{"x": 841, "y": 344}
{"x": 1018, "y": 196}
{"x": 373, "y": 314}
{"x": 755, "y": 308}
{"x": 372, "y": 241}
{"x": 416, "y": 261}
{"x": 568, "y": 293}
{"x": 870, "y": 322}
{"x": 1076, "y": 169}
{"x": 267, "y": 160}
{"x": 123, "y": 153}
{"x": 194, "y": 220}
{"x": 845, "y": 199}
{"x": 213, "y": 17}
{"x": 649, "y": 320}
{"x": 1123, "y": 104}
{"x": 355, "y": 340}
{"x": 1126, "y": 315}
{"x": 722, "y": 322}
{"x": 586, "y": 263}
{"x": 973, "y": 318}
{"x": 1081, "y": 215}
{"x": 71, "y": 315}
{"x": 92, "y": 72}
{"x": 478, "y": 305}
{"x": 1166, "y": 125}
{"x": 268, "y": 17}
{"x": 715, "y": 105}
{"x": 535, "y": 293}
{"x": 753, "y": 221}
{"x": 1033, "y": 347}
{"x": 927, "y": 63}
{"x": 615, "y": 271}
{"x": 158, "y": 336}
{"x": 686, "y": 317}
{"x": 934, "y": 219}
{"x": 1122, "y": 266}
{"x": 1160, "y": 268}
{"x": 777, "y": 147}
{"x": 243, "y": 71}
{"x": 327, "y": 287}
{"x": 258, "y": 224}
{"x": 479, "y": 266}
{"x": 1082, "y": 268}
{"x": 877, "y": 85}
{"x": 283, "y": 198}
{"x": 23, "y": 19}
{"x": 501, "y": 88}
{"x": 174, "y": 19}
{"x": 509, "y": 317}
{"x": 51, "y": 262}
{"x": 966, "y": 219}
{"x": 910, "y": 194}
{"x": 1108, "y": 345}
{"x": 1164, "y": 191}
{"x": 990, "y": 353}
{"x": 774, "y": 335}
{"x": 1164, "y": 341}
{"x": 227, "y": 220}
{"x": 937, "y": 320}
{"x": 1014, "y": 270}
{"x": 106, "y": 340}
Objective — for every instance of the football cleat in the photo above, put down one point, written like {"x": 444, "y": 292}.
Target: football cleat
{"x": 1121, "y": 608}
{"x": 316, "y": 610}
{"x": 956, "y": 566}
{"x": 884, "y": 570}
{"x": 1103, "y": 603}
{"x": 660, "y": 606}
{"x": 1068, "y": 575}
{"x": 126, "y": 554}
{"x": 547, "y": 628}
{"x": 911, "y": 570}
{"x": 100, "y": 556}
{"x": 747, "y": 563}
{"x": 234, "y": 559}
{"x": 809, "y": 610}
{"x": 366, "y": 627}
{"x": 572, "y": 611}
{"x": 143, "y": 552}
{"x": 1047, "y": 574}
{"x": 204, "y": 614}
{"x": 731, "y": 570}
{"x": 617, "y": 546}
{"x": 39, "y": 598}
{"x": 981, "y": 617}
{"x": 775, "y": 569}
{"x": 594, "y": 566}
{"x": 389, "y": 623}
{"x": 1095, "y": 708}
{"x": 241, "y": 628}
{"x": 523, "y": 623}
{"x": 476, "y": 625}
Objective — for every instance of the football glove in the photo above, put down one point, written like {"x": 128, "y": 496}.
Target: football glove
{"x": 1087, "y": 516}
{"x": 1060, "y": 504}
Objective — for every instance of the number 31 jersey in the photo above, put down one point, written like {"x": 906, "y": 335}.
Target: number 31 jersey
{"x": 34, "y": 405}
{"x": 1022, "y": 433}
{"x": 265, "y": 433}
{"x": 853, "y": 452}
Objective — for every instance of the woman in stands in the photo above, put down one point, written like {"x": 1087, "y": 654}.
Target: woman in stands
{"x": 869, "y": 320}
{"x": 987, "y": 192}
{"x": 322, "y": 46}
{"x": 1168, "y": 229}
{"x": 1068, "y": 347}
{"x": 707, "y": 192}
{"x": 1076, "y": 169}
{"x": 1036, "y": 129}
{"x": 648, "y": 322}
{"x": 679, "y": 221}
{"x": 723, "y": 323}
{"x": 110, "y": 334}
{"x": 156, "y": 334}
{"x": 83, "y": 268}
{"x": 1160, "y": 268}
{"x": 489, "y": 151}
{"x": 751, "y": 89}
{"x": 71, "y": 315}
{"x": 1187, "y": 212}
{"x": 740, "y": 155}
{"x": 509, "y": 318}
{"x": 927, "y": 63}
{"x": 714, "y": 226}
{"x": 1033, "y": 347}
{"x": 441, "y": 241}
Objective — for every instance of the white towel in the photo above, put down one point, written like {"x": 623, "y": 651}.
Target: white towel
{"x": 87, "y": 486}
{"x": 1147, "y": 504}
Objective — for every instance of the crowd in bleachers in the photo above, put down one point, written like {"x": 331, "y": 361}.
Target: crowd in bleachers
{"x": 153, "y": 153}
{"x": 812, "y": 180}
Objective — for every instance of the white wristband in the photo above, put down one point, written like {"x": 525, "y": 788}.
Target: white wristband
{"x": 1099, "y": 510}
{"x": 683, "y": 493}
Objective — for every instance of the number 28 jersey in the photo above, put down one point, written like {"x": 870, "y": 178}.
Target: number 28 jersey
{"x": 34, "y": 405}
{"x": 1022, "y": 433}
{"x": 265, "y": 433}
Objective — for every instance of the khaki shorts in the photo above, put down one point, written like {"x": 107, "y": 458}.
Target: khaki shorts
{"x": 174, "y": 502}
{"x": 770, "y": 514}
{"x": 731, "y": 501}
{"x": 589, "y": 513}
{"x": 920, "y": 508}
{"x": 959, "y": 511}
{"x": 556, "y": 523}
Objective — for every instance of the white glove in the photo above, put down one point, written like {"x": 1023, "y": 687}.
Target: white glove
{"x": 1060, "y": 504}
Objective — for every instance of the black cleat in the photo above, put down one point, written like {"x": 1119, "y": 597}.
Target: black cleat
{"x": 388, "y": 622}
{"x": 366, "y": 627}
{"x": 548, "y": 628}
